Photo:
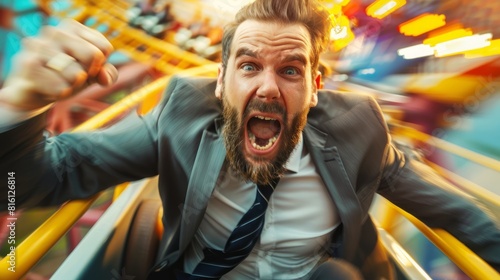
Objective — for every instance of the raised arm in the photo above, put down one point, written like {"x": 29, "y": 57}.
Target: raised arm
{"x": 60, "y": 62}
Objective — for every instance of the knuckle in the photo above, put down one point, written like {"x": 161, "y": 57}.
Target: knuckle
{"x": 90, "y": 55}
{"x": 27, "y": 61}
{"x": 98, "y": 55}
{"x": 31, "y": 62}
{"x": 69, "y": 23}
{"x": 96, "y": 38}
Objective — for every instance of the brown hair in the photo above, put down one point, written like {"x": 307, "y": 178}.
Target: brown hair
{"x": 307, "y": 12}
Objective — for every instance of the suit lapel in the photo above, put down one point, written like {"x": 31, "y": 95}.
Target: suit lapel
{"x": 206, "y": 169}
{"x": 331, "y": 169}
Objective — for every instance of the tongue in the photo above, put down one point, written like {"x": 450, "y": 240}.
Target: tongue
{"x": 263, "y": 129}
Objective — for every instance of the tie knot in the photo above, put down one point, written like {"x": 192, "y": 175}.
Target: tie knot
{"x": 267, "y": 189}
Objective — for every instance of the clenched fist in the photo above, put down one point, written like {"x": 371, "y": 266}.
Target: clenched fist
{"x": 58, "y": 63}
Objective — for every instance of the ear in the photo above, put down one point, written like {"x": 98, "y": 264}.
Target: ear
{"x": 316, "y": 85}
{"x": 319, "y": 80}
{"x": 218, "y": 88}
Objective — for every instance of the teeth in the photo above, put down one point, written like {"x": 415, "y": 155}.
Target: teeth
{"x": 265, "y": 118}
{"x": 256, "y": 146}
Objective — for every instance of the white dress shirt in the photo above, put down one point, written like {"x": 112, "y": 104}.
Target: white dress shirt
{"x": 299, "y": 219}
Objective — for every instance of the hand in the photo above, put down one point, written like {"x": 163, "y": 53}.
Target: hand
{"x": 58, "y": 63}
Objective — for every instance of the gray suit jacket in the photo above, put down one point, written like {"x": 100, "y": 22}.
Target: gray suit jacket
{"x": 181, "y": 141}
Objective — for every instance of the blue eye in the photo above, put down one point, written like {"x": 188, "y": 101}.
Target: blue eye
{"x": 248, "y": 67}
{"x": 290, "y": 71}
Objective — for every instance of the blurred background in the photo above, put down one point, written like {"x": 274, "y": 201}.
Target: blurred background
{"x": 433, "y": 65}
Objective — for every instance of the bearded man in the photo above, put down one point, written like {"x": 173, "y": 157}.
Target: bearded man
{"x": 278, "y": 174}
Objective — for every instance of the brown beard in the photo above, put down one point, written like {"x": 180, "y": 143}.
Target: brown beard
{"x": 264, "y": 170}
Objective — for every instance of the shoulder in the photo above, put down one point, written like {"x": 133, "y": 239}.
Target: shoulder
{"x": 202, "y": 85}
{"x": 342, "y": 101}
{"x": 189, "y": 93}
{"x": 337, "y": 105}
{"x": 186, "y": 103}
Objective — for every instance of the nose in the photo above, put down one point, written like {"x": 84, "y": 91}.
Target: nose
{"x": 268, "y": 87}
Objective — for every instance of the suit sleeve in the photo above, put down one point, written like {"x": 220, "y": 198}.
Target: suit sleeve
{"x": 415, "y": 187}
{"x": 52, "y": 170}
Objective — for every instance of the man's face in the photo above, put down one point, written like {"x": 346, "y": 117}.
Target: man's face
{"x": 267, "y": 89}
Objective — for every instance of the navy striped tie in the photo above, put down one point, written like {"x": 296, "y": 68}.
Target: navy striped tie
{"x": 241, "y": 241}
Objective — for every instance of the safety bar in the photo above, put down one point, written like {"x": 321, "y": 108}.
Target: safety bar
{"x": 406, "y": 264}
{"x": 32, "y": 249}
{"x": 36, "y": 245}
{"x": 463, "y": 257}
{"x": 468, "y": 261}
{"x": 100, "y": 253}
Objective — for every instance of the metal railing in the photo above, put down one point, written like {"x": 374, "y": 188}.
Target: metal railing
{"x": 465, "y": 259}
{"x": 457, "y": 252}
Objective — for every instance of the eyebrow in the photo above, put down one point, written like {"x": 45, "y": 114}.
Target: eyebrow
{"x": 248, "y": 52}
{"x": 296, "y": 57}
{"x": 245, "y": 51}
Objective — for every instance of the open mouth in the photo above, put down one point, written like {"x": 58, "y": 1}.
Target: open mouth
{"x": 263, "y": 132}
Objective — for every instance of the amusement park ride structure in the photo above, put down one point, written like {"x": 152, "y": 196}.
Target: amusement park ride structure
{"x": 114, "y": 241}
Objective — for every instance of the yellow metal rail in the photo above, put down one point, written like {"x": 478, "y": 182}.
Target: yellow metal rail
{"x": 463, "y": 257}
{"x": 32, "y": 249}
{"x": 36, "y": 245}
{"x": 73, "y": 8}
{"x": 469, "y": 262}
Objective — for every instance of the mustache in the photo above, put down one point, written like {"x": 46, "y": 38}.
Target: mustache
{"x": 265, "y": 107}
{"x": 262, "y": 171}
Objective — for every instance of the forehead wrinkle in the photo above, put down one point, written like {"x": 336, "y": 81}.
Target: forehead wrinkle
{"x": 270, "y": 32}
{"x": 250, "y": 46}
{"x": 287, "y": 42}
{"x": 274, "y": 39}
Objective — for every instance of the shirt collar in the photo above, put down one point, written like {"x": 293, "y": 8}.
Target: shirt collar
{"x": 293, "y": 163}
